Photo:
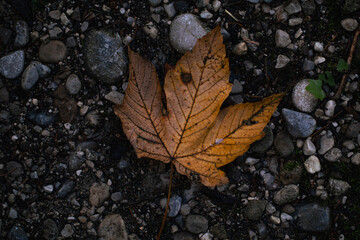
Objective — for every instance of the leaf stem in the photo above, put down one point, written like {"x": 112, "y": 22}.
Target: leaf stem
{"x": 349, "y": 60}
{"x": 167, "y": 202}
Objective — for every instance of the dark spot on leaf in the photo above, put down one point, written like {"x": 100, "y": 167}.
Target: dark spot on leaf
{"x": 186, "y": 77}
{"x": 249, "y": 122}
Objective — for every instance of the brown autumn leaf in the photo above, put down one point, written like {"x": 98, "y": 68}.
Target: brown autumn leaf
{"x": 191, "y": 131}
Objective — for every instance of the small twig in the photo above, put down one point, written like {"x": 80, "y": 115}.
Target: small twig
{"x": 229, "y": 13}
{"x": 349, "y": 60}
{"x": 167, "y": 202}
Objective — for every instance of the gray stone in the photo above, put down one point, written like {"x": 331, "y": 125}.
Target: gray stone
{"x": 52, "y": 52}
{"x": 74, "y": 162}
{"x": 287, "y": 194}
{"x": 30, "y": 77}
{"x": 196, "y": 224}
{"x": 12, "y": 65}
{"x": 327, "y": 142}
{"x": 353, "y": 130}
{"x": 115, "y": 97}
{"x": 293, "y": 7}
{"x": 41, "y": 117}
{"x": 184, "y": 236}
{"x": 349, "y": 144}
{"x": 237, "y": 87}
{"x": 333, "y": 155}
{"x": 309, "y": 147}
{"x": 313, "y": 218}
{"x": 295, "y": 21}
{"x": 282, "y": 39}
{"x": 13, "y": 213}
{"x": 355, "y": 159}
{"x": 312, "y": 164}
{"x": 113, "y": 227}
{"x": 155, "y": 3}
{"x": 282, "y": 61}
{"x": 73, "y": 84}
{"x": 105, "y": 56}
{"x": 174, "y": 205}
{"x": 70, "y": 42}
{"x": 185, "y": 30}
{"x": 170, "y": 9}
{"x": 349, "y": 24}
{"x": 65, "y": 189}
{"x": 262, "y": 145}
{"x": 50, "y": 229}
{"x": 99, "y": 192}
{"x": 338, "y": 187}
{"x": 302, "y": 99}
{"x": 22, "y": 34}
{"x": 308, "y": 65}
{"x": 116, "y": 196}
{"x": 255, "y": 209}
{"x": 299, "y": 125}
{"x": 67, "y": 231}
{"x": 283, "y": 144}
{"x": 206, "y": 14}
{"x": 308, "y": 7}
{"x": 240, "y": 49}
{"x": 55, "y": 33}
{"x": 42, "y": 69}
{"x": 55, "y": 14}
{"x": 330, "y": 108}
{"x": 17, "y": 233}
{"x": 219, "y": 231}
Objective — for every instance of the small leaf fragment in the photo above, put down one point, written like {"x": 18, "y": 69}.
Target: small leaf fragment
{"x": 329, "y": 79}
{"x": 342, "y": 66}
{"x": 314, "y": 87}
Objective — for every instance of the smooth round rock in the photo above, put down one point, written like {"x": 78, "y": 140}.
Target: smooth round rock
{"x": 283, "y": 144}
{"x": 302, "y": 99}
{"x": 313, "y": 218}
{"x": 104, "y": 55}
{"x": 262, "y": 145}
{"x": 185, "y": 30}
{"x": 73, "y": 84}
{"x": 22, "y": 34}
{"x": 30, "y": 77}
{"x": 196, "y": 224}
{"x": 255, "y": 209}
{"x": 349, "y": 24}
{"x": 113, "y": 227}
{"x": 52, "y": 52}
{"x": 312, "y": 164}
{"x": 287, "y": 194}
{"x": 12, "y": 65}
{"x": 299, "y": 125}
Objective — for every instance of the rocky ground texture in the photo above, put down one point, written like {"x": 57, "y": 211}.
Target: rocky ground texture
{"x": 68, "y": 172}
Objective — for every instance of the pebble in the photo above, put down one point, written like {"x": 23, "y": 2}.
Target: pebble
{"x": 73, "y": 84}
{"x": 151, "y": 30}
{"x": 349, "y": 24}
{"x": 175, "y": 205}
{"x": 13, "y": 213}
{"x": 318, "y": 47}
{"x": 17, "y": 233}
{"x": 330, "y": 108}
{"x": 285, "y": 217}
{"x": 185, "y": 209}
{"x": 355, "y": 159}
{"x": 349, "y": 144}
{"x": 41, "y": 117}
{"x": 327, "y": 142}
{"x": 105, "y": 56}
{"x": 309, "y": 147}
{"x": 308, "y": 7}
{"x": 48, "y": 188}
{"x": 302, "y": 99}
{"x": 319, "y": 59}
{"x": 313, "y": 218}
{"x": 55, "y": 14}
{"x": 338, "y": 187}
{"x": 295, "y": 21}
{"x": 206, "y": 15}
{"x": 196, "y": 224}
{"x": 30, "y": 77}
{"x": 287, "y": 194}
{"x": 216, "y": 4}
{"x": 299, "y": 125}
{"x": 185, "y": 30}
{"x": 14, "y": 168}
{"x": 155, "y": 3}
{"x": 281, "y": 61}
{"x": 99, "y": 192}
{"x": 353, "y": 130}
{"x": 55, "y": 33}
{"x": 283, "y": 144}
{"x": 64, "y": 19}
{"x": 116, "y": 196}
{"x": 312, "y": 164}
{"x": 67, "y": 231}
{"x": 255, "y": 209}
{"x": 65, "y": 189}
{"x": 50, "y": 229}
{"x": 22, "y": 34}
{"x": 282, "y": 39}
{"x": 333, "y": 155}
{"x": 115, "y": 97}
{"x": 170, "y": 9}
{"x": 12, "y": 65}
{"x": 113, "y": 227}
{"x": 262, "y": 145}
{"x": 52, "y": 52}
{"x": 308, "y": 65}
{"x": 240, "y": 49}
{"x": 293, "y": 7}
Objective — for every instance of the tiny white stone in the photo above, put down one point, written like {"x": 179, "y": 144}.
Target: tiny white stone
{"x": 49, "y": 188}
{"x": 312, "y": 164}
{"x": 330, "y": 108}
{"x": 319, "y": 47}
{"x": 309, "y": 147}
{"x": 318, "y": 60}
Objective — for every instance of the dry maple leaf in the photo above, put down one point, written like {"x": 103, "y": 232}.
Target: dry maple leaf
{"x": 191, "y": 131}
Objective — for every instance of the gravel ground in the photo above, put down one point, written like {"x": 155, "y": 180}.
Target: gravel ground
{"x": 68, "y": 172}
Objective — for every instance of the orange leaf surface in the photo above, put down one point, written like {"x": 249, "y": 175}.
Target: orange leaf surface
{"x": 191, "y": 131}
